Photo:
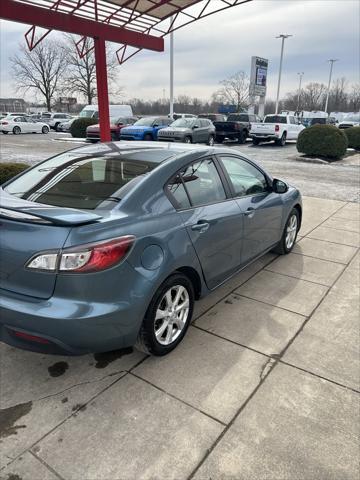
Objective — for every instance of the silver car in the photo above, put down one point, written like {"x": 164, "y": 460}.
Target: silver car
{"x": 189, "y": 130}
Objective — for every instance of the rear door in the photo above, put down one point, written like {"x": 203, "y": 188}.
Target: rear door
{"x": 261, "y": 208}
{"x": 212, "y": 219}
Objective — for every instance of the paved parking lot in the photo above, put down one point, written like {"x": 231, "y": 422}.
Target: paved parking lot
{"x": 265, "y": 385}
{"x": 338, "y": 181}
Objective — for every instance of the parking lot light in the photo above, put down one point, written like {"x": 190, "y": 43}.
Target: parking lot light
{"x": 331, "y": 61}
{"x": 282, "y": 36}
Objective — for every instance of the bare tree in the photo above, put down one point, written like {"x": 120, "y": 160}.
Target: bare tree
{"x": 40, "y": 70}
{"x": 313, "y": 96}
{"x": 354, "y": 97}
{"x": 338, "y": 97}
{"x": 81, "y": 75}
{"x": 235, "y": 91}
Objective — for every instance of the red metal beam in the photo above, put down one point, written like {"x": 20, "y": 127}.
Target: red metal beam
{"x": 42, "y": 17}
{"x": 102, "y": 89}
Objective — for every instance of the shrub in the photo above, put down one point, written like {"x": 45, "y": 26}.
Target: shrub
{"x": 78, "y": 127}
{"x": 353, "y": 136}
{"x": 9, "y": 170}
{"x": 322, "y": 141}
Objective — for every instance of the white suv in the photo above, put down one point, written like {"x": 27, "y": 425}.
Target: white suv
{"x": 54, "y": 119}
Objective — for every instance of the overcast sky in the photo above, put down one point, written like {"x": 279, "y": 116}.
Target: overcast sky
{"x": 218, "y": 46}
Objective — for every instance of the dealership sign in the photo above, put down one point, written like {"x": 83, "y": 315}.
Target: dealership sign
{"x": 258, "y": 77}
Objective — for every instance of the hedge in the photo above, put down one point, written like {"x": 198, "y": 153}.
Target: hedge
{"x": 353, "y": 136}
{"x": 79, "y": 126}
{"x": 325, "y": 141}
{"x": 9, "y": 170}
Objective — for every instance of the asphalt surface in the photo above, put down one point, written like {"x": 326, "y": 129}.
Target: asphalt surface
{"x": 338, "y": 181}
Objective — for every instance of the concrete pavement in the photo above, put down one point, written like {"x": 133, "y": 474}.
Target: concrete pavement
{"x": 265, "y": 385}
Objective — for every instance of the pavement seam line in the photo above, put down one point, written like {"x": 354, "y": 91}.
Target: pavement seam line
{"x": 312, "y": 256}
{"x": 238, "y": 286}
{"x": 298, "y": 278}
{"x": 319, "y": 376}
{"x": 46, "y": 465}
{"x": 178, "y": 399}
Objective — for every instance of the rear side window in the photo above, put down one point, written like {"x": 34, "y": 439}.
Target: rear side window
{"x": 75, "y": 181}
{"x": 202, "y": 184}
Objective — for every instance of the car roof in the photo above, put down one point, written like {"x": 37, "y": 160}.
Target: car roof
{"x": 156, "y": 152}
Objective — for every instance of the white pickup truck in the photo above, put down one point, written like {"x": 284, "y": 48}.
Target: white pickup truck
{"x": 275, "y": 127}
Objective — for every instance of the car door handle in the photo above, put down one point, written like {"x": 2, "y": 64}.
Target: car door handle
{"x": 201, "y": 226}
{"x": 249, "y": 211}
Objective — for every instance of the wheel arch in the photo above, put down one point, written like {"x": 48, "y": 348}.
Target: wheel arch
{"x": 297, "y": 206}
{"x": 194, "y": 277}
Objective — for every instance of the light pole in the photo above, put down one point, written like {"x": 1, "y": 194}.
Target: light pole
{"x": 301, "y": 74}
{"x": 332, "y": 61}
{"x": 171, "y": 73}
{"x": 282, "y": 36}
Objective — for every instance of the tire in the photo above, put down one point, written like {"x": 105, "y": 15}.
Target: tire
{"x": 292, "y": 225}
{"x": 161, "y": 344}
{"x": 16, "y": 130}
{"x": 282, "y": 141}
{"x": 113, "y": 137}
{"x": 56, "y": 126}
{"x": 148, "y": 137}
{"x": 45, "y": 129}
{"x": 219, "y": 139}
{"x": 242, "y": 137}
{"x": 211, "y": 140}
{"x": 187, "y": 139}
{"x": 5, "y": 132}
{"x": 255, "y": 141}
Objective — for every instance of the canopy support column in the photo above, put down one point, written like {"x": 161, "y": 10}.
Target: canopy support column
{"x": 102, "y": 89}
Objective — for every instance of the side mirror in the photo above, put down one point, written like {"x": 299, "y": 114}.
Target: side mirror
{"x": 155, "y": 125}
{"x": 195, "y": 126}
{"x": 279, "y": 186}
{"x": 120, "y": 124}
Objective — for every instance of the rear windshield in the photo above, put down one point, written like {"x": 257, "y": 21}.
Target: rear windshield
{"x": 238, "y": 118}
{"x": 78, "y": 181}
{"x": 275, "y": 119}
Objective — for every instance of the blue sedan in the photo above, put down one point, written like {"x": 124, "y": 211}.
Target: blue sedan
{"x": 107, "y": 246}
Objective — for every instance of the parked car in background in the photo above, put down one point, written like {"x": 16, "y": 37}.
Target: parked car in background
{"x": 122, "y": 238}
{"x": 145, "y": 129}
{"x": 278, "y": 128}
{"x": 54, "y": 119}
{"x": 181, "y": 115}
{"x": 22, "y": 124}
{"x": 14, "y": 114}
{"x": 116, "y": 125}
{"x": 189, "y": 130}
{"x": 214, "y": 117}
{"x": 236, "y": 127}
{"x": 351, "y": 120}
{"x": 65, "y": 126}
{"x": 92, "y": 111}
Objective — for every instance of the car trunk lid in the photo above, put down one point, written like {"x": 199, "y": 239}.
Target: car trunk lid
{"x": 27, "y": 229}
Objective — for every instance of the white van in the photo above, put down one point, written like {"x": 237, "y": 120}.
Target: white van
{"x": 92, "y": 111}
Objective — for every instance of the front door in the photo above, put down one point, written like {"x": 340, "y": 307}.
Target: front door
{"x": 261, "y": 208}
{"x": 213, "y": 221}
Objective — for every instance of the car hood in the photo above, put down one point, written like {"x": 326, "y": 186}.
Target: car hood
{"x": 96, "y": 127}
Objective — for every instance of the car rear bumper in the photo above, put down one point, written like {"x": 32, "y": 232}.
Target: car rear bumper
{"x": 74, "y": 326}
{"x": 264, "y": 136}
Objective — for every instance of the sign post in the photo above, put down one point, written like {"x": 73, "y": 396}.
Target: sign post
{"x": 257, "y": 88}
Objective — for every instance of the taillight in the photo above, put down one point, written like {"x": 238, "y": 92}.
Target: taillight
{"x": 92, "y": 257}
{"x": 277, "y": 128}
{"x": 4, "y": 123}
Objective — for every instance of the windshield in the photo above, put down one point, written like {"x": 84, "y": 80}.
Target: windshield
{"x": 46, "y": 115}
{"x": 183, "y": 122}
{"x": 145, "y": 122}
{"x": 275, "y": 119}
{"x": 88, "y": 114}
{"x": 78, "y": 181}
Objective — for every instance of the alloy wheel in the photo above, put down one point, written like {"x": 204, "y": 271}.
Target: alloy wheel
{"x": 291, "y": 230}
{"x": 172, "y": 314}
